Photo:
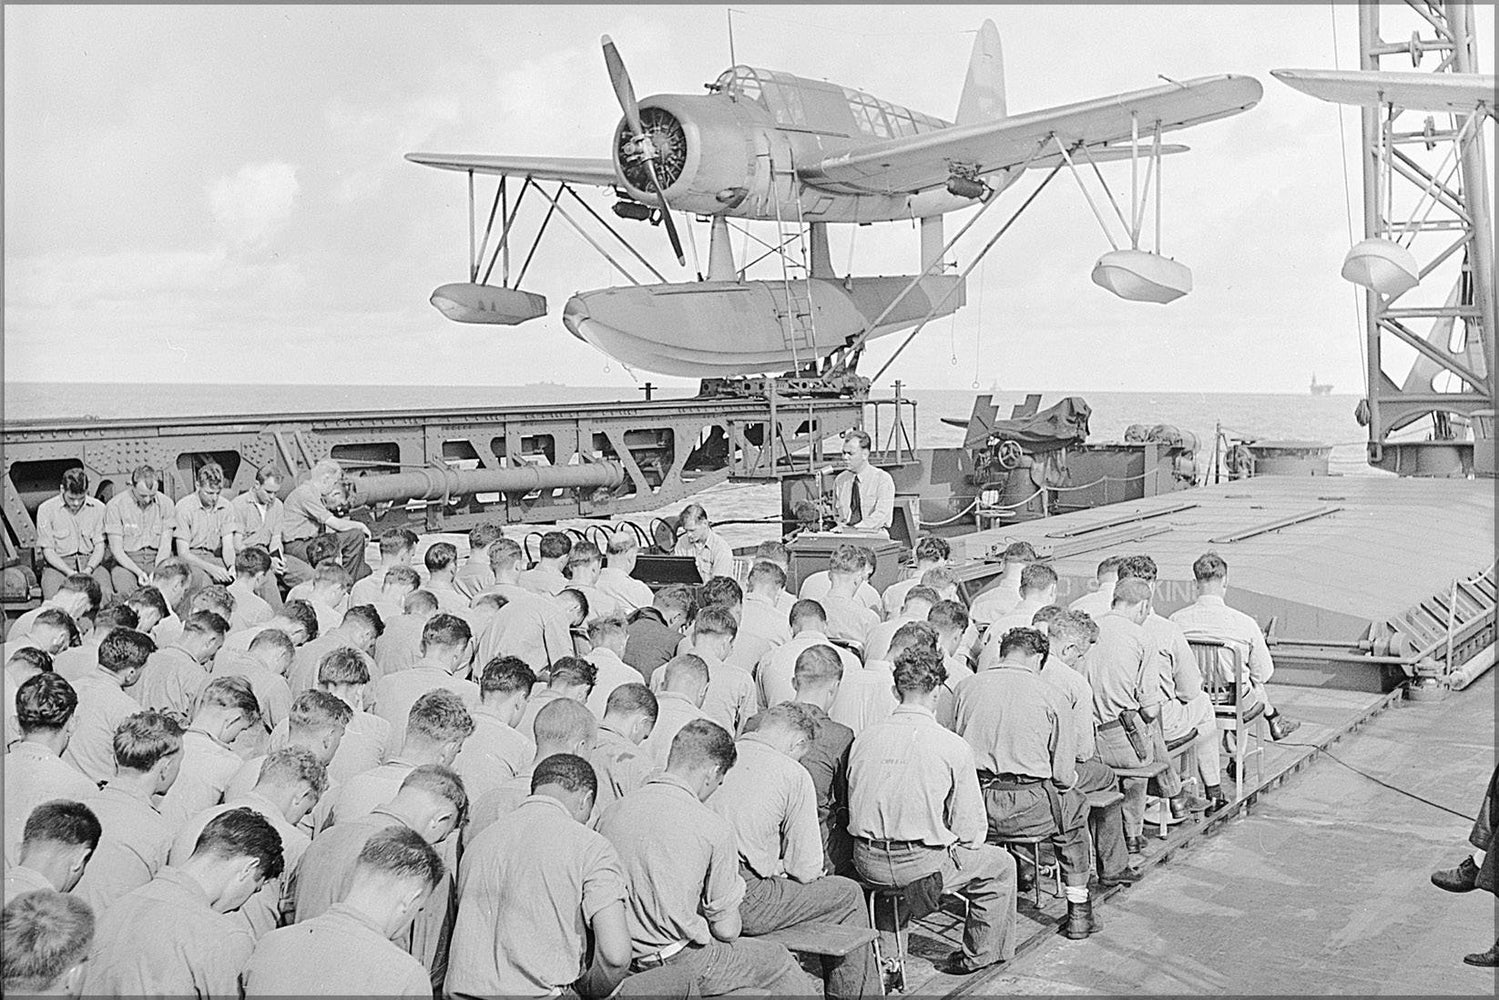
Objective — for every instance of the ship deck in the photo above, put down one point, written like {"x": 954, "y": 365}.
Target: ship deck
{"x": 1315, "y": 882}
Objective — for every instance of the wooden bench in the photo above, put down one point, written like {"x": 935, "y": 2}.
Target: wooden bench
{"x": 1144, "y": 772}
{"x": 817, "y": 938}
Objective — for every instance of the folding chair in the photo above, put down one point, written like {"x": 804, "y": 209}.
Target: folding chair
{"x": 1224, "y": 687}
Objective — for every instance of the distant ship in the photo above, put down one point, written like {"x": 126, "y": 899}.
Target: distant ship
{"x": 1319, "y": 388}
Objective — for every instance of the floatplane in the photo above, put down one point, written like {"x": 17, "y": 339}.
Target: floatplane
{"x": 767, "y": 146}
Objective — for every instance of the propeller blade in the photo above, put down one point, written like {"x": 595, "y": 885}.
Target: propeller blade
{"x": 671, "y": 227}
{"x": 623, "y": 89}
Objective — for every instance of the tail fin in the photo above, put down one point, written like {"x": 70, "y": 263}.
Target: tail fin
{"x": 983, "y": 97}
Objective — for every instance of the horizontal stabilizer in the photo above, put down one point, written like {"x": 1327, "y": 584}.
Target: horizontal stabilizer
{"x": 1457, "y": 93}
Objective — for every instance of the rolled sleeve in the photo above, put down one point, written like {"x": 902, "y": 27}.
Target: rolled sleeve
{"x": 802, "y": 834}
{"x": 723, "y": 889}
{"x": 604, "y": 883}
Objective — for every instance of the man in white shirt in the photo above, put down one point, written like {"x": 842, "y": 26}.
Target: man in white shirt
{"x": 864, "y": 495}
{"x": 931, "y": 552}
{"x": 1001, "y": 598}
{"x": 1038, "y": 588}
{"x": 714, "y": 556}
{"x": 1096, "y": 603}
{"x": 615, "y": 579}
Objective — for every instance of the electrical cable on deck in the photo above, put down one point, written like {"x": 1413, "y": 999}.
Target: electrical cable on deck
{"x": 1380, "y": 781}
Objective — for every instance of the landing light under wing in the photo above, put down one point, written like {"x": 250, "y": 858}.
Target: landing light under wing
{"x": 1457, "y": 93}
{"x": 597, "y": 171}
{"x": 922, "y": 161}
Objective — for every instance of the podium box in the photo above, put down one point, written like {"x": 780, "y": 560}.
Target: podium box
{"x": 810, "y": 554}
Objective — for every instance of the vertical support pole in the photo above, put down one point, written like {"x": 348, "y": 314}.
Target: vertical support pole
{"x": 720, "y": 252}
{"x": 473, "y": 262}
{"x": 932, "y": 245}
{"x": 505, "y": 243}
{"x": 1368, "y": 43}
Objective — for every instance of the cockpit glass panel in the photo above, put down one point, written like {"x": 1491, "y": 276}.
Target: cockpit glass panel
{"x": 791, "y": 102}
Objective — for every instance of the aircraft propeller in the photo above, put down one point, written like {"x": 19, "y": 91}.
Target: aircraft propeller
{"x": 647, "y": 151}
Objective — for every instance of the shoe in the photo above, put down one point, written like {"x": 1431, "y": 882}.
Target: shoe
{"x": 1080, "y": 921}
{"x": 1281, "y": 727}
{"x": 959, "y": 965}
{"x": 1216, "y": 799}
{"x": 1463, "y": 878}
{"x": 893, "y": 978}
{"x": 1135, "y": 845}
{"x": 1186, "y": 803}
{"x": 1124, "y": 876}
{"x": 1154, "y": 815}
{"x": 1484, "y": 959}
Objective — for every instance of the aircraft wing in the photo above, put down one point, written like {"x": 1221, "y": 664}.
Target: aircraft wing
{"x": 598, "y": 172}
{"x": 1458, "y": 93}
{"x": 919, "y": 162}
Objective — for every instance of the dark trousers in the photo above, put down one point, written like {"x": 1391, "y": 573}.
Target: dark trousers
{"x": 982, "y": 875}
{"x": 773, "y": 903}
{"x": 350, "y": 552}
{"x": 1029, "y": 811}
{"x": 716, "y": 968}
{"x": 1106, "y": 825}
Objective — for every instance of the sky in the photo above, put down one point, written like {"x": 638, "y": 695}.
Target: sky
{"x": 218, "y": 194}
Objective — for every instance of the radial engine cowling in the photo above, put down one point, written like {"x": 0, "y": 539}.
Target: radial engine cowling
{"x": 705, "y": 153}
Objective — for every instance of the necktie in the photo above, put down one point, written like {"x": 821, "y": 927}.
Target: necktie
{"x": 855, "y": 505}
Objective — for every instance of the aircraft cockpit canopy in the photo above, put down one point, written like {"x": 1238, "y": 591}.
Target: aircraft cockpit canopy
{"x": 815, "y": 106}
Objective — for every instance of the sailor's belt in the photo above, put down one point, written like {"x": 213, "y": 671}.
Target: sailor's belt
{"x": 1007, "y": 782}
{"x": 1112, "y": 724}
{"x": 895, "y": 845}
{"x": 656, "y": 959}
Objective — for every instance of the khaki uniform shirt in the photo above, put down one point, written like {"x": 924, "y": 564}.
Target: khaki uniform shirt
{"x": 304, "y": 513}
{"x": 673, "y": 712}
{"x": 612, "y": 673}
{"x": 308, "y": 657}
{"x": 769, "y": 800}
{"x": 713, "y": 555}
{"x": 543, "y": 580}
{"x": 33, "y": 775}
{"x": 493, "y": 753}
{"x": 203, "y": 528}
{"x": 1175, "y": 663}
{"x": 367, "y": 792}
{"x": 731, "y": 699}
{"x": 207, "y": 767}
{"x": 997, "y": 601}
{"x": 1095, "y": 603}
{"x": 394, "y": 695}
{"x": 1119, "y": 672}
{"x": 1019, "y": 617}
{"x": 365, "y": 745}
{"x": 1079, "y": 698}
{"x": 139, "y": 527}
{"x": 19, "y": 879}
{"x": 250, "y": 609}
{"x": 528, "y": 889}
{"x": 762, "y": 627}
{"x": 1210, "y": 618}
{"x": 400, "y": 645}
{"x": 272, "y": 693}
{"x": 165, "y": 940}
{"x": 171, "y": 681}
{"x": 1017, "y": 724}
{"x": 256, "y": 525}
{"x": 910, "y": 779}
{"x": 778, "y": 666}
{"x": 848, "y": 618}
{"x": 69, "y": 534}
{"x": 473, "y": 578}
{"x": 134, "y": 846}
{"x": 817, "y": 586}
{"x": 261, "y": 913}
{"x": 76, "y": 661}
{"x": 681, "y": 862}
{"x": 533, "y": 628}
{"x": 102, "y": 706}
{"x": 631, "y": 593}
{"x": 621, "y": 767}
{"x": 866, "y": 696}
{"x": 339, "y": 953}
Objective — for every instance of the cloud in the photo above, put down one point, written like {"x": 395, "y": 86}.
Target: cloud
{"x": 253, "y": 203}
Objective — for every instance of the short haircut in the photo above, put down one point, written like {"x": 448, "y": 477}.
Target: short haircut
{"x": 693, "y": 513}
{"x": 1036, "y": 577}
{"x": 303, "y": 614}
{"x": 213, "y": 597}
{"x": 172, "y": 569}
{"x": 60, "y": 821}
{"x": 144, "y": 474}
{"x": 578, "y": 600}
{"x": 45, "y": 702}
{"x": 420, "y": 602}
{"x": 44, "y": 934}
{"x": 487, "y": 602}
{"x": 446, "y": 630}
{"x": 948, "y": 615}
{"x": 807, "y": 611}
{"x": 1019, "y": 552}
{"x": 572, "y": 671}
{"x": 242, "y": 833}
{"x": 585, "y": 553}
{"x": 481, "y": 536}
{"x": 321, "y": 549}
{"x": 702, "y": 742}
{"x": 318, "y": 711}
{"x": 621, "y": 542}
{"x": 442, "y": 782}
{"x": 331, "y": 572}
{"x": 603, "y": 627}
{"x": 394, "y": 541}
{"x": 911, "y": 635}
{"x": 366, "y": 617}
{"x": 1047, "y": 615}
{"x": 290, "y": 765}
{"x": 674, "y": 597}
{"x": 344, "y": 665}
{"x": 859, "y": 437}
{"x": 1140, "y": 567}
{"x": 399, "y": 852}
{"x": 233, "y": 692}
{"x": 440, "y": 555}
{"x": 1109, "y": 564}
{"x": 787, "y": 716}
{"x": 252, "y": 560}
{"x": 116, "y": 614}
{"x": 206, "y": 623}
{"x": 868, "y": 558}
{"x": 762, "y": 573}
{"x": 145, "y": 738}
{"x": 265, "y": 472}
{"x": 816, "y": 667}
{"x": 148, "y": 597}
{"x": 125, "y": 648}
{"x": 83, "y": 583}
{"x": 210, "y": 474}
{"x": 1209, "y": 566}
{"x": 683, "y": 668}
{"x": 1072, "y": 625}
{"x": 939, "y": 578}
{"x": 1127, "y": 592}
{"x": 715, "y": 620}
{"x": 774, "y": 553}
{"x": 568, "y": 771}
{"x": 921, "y": 594}
{"x": 505, "y": 552}
{"x": 400, "y": 576}
{"x": 845, "y": 560}
{"x": 555, "y": 545}
{"x": 563, "y": 720}
{"x": 439, "y": 716}
{"x": 919, "y": 669}
{"x": 1029, "y": 641}
{"x": 632, "y": 699}
{"x": 273, "y": 640}
{"x": 36, "y": 659}
{"x": 59, "y": 619}
{"x": 930, "y": 548}
{"x": 507, "y": 675}
{"x": 722, "y": 592}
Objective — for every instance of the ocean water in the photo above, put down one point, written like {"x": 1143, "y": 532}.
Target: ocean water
{"x": 1264, "y": 417}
